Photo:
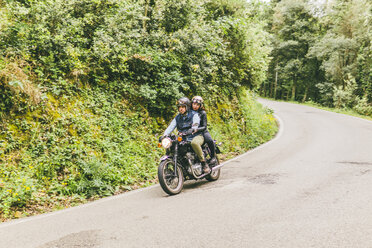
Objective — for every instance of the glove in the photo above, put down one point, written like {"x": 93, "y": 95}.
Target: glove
{"x": 188, "y": 132}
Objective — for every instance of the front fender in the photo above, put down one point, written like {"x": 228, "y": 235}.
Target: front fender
{"x": 165, "y": 157}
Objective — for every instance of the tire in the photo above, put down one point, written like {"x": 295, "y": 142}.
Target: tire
{"x": 214, "y": 174}
{"x": 169, "y": 183}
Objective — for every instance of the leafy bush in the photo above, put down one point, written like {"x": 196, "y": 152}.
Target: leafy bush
{"x": 241, "y": 123}
{"x": 344, "y": 97}
{"x": 85, "y": 86}
{"x": 363, "y": 107}
{"x": 16, "y": 190}
{"x": 16, "y": 83}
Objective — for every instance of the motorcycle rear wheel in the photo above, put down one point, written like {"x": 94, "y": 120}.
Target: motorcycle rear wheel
{"x": 214, "y": 174}
{"x": 171, "y": 184}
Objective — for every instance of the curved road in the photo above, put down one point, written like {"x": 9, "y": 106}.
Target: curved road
{"x": 309, "y": 187}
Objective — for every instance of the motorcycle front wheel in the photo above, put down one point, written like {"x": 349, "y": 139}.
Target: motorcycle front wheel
{"x": 170, "y": 183}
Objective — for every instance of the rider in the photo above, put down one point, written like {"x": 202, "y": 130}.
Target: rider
{"x": 187, "y": 122}
{"x": 198, "y": 105}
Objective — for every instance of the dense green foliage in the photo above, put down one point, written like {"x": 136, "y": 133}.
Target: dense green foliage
{"x": 322, "y": 53}
{"x": 135, "y": 49}
{"x": 85, "y": 86}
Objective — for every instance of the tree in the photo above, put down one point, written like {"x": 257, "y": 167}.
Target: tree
{"x": 345, "y": 49}
{"x": 294, "y": 29}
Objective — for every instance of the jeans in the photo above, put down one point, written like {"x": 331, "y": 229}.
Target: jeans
{"x": 196, "y": 144}
{"x": 208, "y": 139}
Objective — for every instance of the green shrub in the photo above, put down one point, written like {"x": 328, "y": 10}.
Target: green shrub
{"x": 85, "y": 86}
{"x": 344, "y": 97}
{"x": 16, "y": 190}
{"x": 363, "y": 107}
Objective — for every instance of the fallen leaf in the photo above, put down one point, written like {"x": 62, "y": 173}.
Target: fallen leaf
{"x": 17, "y": 214}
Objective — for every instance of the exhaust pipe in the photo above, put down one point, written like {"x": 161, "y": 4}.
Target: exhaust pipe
{"x": 213, "y": 169}
{"x": 217, "y": 167}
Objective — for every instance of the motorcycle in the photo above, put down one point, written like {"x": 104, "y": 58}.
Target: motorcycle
{"x": 181, "y": 163}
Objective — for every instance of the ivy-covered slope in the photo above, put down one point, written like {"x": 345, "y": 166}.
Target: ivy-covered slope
{"x": 85, "y": 87}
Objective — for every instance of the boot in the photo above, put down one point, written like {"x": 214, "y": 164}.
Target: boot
{"x": 213, "y": 160}
{"x": 205, "y": 167}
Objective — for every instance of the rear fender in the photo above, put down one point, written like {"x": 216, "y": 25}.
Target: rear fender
{"x": 218, "y": 150}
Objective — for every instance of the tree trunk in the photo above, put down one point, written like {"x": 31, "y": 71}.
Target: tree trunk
{"x": 305, "y": 95}
{"x": 276, "y": 83}
{"x": 293, "y": 92}
{"x": 263, "y": 90}
{"x": 144, "y": 19}
{"x": 271, "y": 89}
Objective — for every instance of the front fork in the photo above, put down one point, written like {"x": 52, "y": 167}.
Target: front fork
{"x": 175, "y": 159}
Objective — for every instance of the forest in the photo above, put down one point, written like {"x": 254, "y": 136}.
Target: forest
{"x": 322, "y": 53}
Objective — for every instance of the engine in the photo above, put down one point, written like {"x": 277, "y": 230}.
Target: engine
{"x": 194, "y": 164}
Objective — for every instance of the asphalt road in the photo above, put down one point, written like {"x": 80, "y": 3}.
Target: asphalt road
{"x": 311, "y": 186}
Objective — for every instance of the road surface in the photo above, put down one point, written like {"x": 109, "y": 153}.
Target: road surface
{"x": 308, "y": 187}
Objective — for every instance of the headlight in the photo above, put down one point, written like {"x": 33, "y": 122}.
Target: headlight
{"x": 166, "y": 143}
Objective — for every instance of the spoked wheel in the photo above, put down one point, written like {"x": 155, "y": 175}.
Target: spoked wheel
{"x": 214, "y": 174}
{"x": 170, "y": 183}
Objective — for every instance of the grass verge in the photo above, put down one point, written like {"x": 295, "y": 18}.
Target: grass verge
{"x": 72, "y": 151}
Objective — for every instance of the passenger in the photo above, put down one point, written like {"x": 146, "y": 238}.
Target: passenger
{"x": 198, "y": 105}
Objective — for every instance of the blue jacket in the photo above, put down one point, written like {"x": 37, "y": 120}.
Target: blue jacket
{"x": 184, "y": 123}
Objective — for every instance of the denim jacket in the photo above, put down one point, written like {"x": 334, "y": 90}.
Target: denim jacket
{"x": 184, "y": 123}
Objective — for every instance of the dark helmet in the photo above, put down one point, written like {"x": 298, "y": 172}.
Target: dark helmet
{"x": 184, "y": 101}
{"x": 198, "y": 99}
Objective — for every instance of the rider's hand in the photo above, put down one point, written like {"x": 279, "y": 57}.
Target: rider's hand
{"x": 188, "y": 132}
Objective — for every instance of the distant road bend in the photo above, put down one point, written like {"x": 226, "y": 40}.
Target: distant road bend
{"x": 308, "y": 187}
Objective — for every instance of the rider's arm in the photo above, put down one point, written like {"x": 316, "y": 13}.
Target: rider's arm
{"x": 203, "y": 122}
{"x": 171, "y": 127}
{"x": 195, "y": 121}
